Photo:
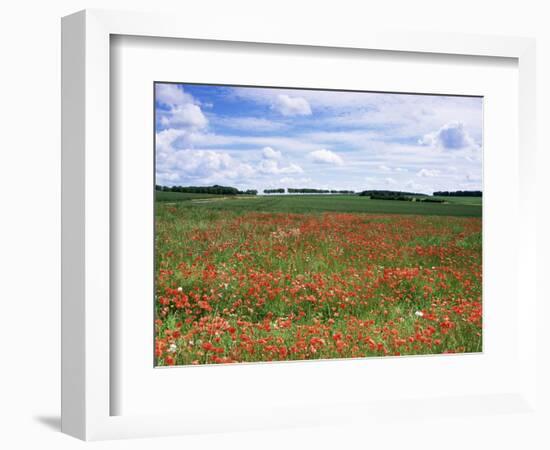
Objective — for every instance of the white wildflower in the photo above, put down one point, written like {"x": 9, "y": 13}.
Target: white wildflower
{"x": 172, "y": 348}
{"x": 419, "y": 314}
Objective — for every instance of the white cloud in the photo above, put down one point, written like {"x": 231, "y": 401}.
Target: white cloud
{"x": 250, "y": 123}
{"x": 269, "y": 153}
{"x": 291, "y": 106}
{"x": 272, "y": 167}
{"x": 202, "y": 166}
{"x": 414, "y": 186}
{"x": 288, "y": 143}
{"x": 291, "y": 180}
{"x": 291, "y": 168}
{"x": 178, "y": 162}
{"x": 451, "y": 136}
{"x": 428, "y": 173}
{"x": 171, "y": 94}
{"x": 374, "y": 134}
{"x": 187, "y": 115}
{"x": 350, "y": 138}
{"x": 410, "y": 116}
{"x": 324, "y": 156}
{"x": 173, "y": 139}
{"x": 471, "y": 177}
{"x": 183, "y": 113}
{"x": 374, "y": 182}
{"x": 385, "y": 168}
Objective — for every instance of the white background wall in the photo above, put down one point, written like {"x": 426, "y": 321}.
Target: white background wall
{"x": 30, "y": 187}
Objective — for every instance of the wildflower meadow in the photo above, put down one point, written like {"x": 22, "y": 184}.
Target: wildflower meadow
{"x": 241, "y": 280}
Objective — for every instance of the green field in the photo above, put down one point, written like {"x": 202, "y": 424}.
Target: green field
{"x": 161, "y": 196}
{"x": 295, "y": 277}
{"x": 453, "y": 206}
{"x": 461, "y": 200}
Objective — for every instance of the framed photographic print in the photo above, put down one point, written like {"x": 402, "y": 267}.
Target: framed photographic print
{"x": 298, "y": 229}
{"x": 372, "y": 247}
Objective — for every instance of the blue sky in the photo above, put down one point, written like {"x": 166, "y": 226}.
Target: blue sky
{"x": 258, "y": 138}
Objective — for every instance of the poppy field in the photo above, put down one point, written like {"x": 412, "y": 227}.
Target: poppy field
{"x": 271, "y": 279}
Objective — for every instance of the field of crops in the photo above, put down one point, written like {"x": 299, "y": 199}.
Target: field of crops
{"x": 453, "y": 206}
{"x": 249, "y": 279}
{"x": 161, "y": 196}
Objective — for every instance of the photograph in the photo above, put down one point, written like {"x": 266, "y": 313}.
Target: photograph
{"x": 300, "y": 223}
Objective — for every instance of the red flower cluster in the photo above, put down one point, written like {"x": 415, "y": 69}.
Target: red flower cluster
{"x": 266, "y": 287}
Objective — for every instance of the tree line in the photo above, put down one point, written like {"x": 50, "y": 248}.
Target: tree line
{"x": 399, "y": 195}
{"x": 306, "y": 191}
{"x": 458, "y": 194}
{"x": 372, "y": 193}
{"x": 385, "y": 193}
{"x": 216, "y": 189}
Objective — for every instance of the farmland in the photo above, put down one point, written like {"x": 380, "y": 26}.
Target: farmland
{"x": 453, "y": 206}
{"x": 294, "y": 277}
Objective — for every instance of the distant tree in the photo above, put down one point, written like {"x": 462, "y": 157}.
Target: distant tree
{"x": 391, "y": 197}
{"x": 307, "y": 191}
{"x": 274, "y": 191}
{"x": 458, "y": 194}
{"x": 317, "y": 191}
{"x": 386, "y": 193}
{"x": 432, "y": 200}
{"x": 216, "y": 189}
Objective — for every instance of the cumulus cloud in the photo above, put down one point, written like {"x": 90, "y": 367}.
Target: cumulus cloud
{"x": 183, "y": 111}
{"x": 205, "y": 166}
{"x": 269, "y": 153}
{"x": 285, "y": 136}
{"x": 173, "y": 139}
{"x": 178, "y": 162}
{"x": 171, "y": 94}
{"x": 271, "y": 163}
{"x": 291, "y": 106}
{"x": 451, "y": 136}
{"x": 324, "y": 156}
{"x": 187, "y": 115}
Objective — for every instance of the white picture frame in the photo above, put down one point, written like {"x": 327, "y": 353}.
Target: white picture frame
{"x": 86, "y": 221}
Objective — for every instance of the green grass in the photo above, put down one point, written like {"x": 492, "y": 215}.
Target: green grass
{"x": 460, "y": 207}
{"x": 181, "y": 196}
{"x": 476, "y": 201}
{"x": 314, "y": 276}
{"x": 243, "y": 263}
